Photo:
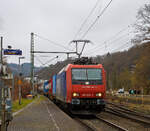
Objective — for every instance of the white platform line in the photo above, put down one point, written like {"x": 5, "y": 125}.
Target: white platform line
{"x": 57, "y": 127}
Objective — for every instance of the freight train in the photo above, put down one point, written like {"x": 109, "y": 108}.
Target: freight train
{"x": 79, "y": 87}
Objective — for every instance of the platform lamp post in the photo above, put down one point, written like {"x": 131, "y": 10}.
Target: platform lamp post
{"x": 36, "y": 81}
{"x": 19, "y": 82}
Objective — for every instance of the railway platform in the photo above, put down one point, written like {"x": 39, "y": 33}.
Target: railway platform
{"x": 44, "y": 116}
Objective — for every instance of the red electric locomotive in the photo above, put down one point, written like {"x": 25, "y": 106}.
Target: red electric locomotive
{"x": 81, "y": 87}
{"x": 50, "y": 95}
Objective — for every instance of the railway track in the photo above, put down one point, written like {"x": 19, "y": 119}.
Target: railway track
{"x": 90, "y": 125}
{"x": 103, "y": 121}
{"x": 112, "y": 124}
{"x": 128, "y": 110}
{"x": 129, "y": 114}
{"x": 87, "y": 124}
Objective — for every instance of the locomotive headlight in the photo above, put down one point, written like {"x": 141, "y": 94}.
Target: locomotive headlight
{"x": 99, "y": 94}
{"x": 75, "y": 94}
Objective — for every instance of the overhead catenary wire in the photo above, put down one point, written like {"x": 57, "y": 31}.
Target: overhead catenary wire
{"x": 39, "y": 60}
{"x": 85, "y": 21}
{"x": 118, "y": 33}
{"x": 101, "y": 46}
{"x": 127, "y": 44}
{"x": 47, "y": 62}
{"x": 52, "y": 42}
{"x": 97, "y": 18}
{"x": 50, "y": 60}
{"x": 121, "y": 47}
{"x": 106, "y": 42}
{"x": 111, "y": 39}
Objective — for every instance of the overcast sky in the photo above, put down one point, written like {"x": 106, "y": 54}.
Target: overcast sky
{"x": 59, "y": 21}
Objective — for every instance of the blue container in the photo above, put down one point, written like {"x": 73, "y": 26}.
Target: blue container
{"x": 46, "y": 87}
{"x": 54, "y": 85}
{"x": 61, "y": 86}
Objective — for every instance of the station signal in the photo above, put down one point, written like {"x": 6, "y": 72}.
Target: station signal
{"x": 134, "y": 92}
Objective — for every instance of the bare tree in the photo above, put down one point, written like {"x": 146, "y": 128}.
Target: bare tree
{"x": 143, "y": 25}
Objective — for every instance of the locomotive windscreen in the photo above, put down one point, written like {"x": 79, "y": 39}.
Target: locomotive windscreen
{"x": 90, "y": 76}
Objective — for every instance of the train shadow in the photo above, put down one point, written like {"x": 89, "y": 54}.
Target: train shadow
{"x": 81, "y": 114}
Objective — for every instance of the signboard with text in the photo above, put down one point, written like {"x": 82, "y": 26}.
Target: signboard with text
{"x": 12, "y": 52}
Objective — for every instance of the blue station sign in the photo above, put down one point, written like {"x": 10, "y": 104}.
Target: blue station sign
{"x": 12, "y": 52}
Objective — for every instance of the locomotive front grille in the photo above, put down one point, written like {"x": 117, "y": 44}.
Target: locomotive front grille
{"x": 88, "y": 101}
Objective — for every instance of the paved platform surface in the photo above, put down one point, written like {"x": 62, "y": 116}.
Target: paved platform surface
{"x": 44, "y": 116}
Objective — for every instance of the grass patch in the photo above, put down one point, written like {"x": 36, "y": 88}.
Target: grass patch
{"x": 25, "y": 102}
{"x": 137, "y": 98}
{"x": 130, "y": 99}
{"x": 41, "y": 98}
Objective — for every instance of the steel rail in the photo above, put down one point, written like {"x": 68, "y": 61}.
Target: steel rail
{"x": 112, "y": 124}
{"x": 124, "y": 115}
{"x": 86, "y": 124}
{"x": 130, "y": 111}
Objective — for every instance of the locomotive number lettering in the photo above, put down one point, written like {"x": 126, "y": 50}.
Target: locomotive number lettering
{"x": 89, "y": 87}
{"x": 87, "y": 94}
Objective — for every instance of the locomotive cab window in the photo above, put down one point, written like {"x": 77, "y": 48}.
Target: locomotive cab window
{"x": 94, "y": 74}
{"x": 90, "y": 75}
{"x": 79, "y": 74}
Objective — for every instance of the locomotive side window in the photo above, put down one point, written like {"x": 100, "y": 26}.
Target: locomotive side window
{"x": 94, "y": 74}
{"x": 79, "y": 74}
